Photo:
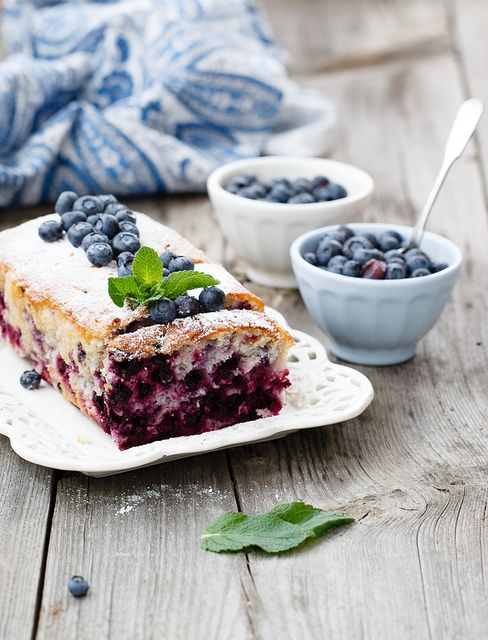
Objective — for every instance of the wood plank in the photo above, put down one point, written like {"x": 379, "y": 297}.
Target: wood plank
{"x": 136, "y": 538}
{"x": 332, "y": 34}
{"x": 26, "y": 493}
{"x": 414, "y": 465}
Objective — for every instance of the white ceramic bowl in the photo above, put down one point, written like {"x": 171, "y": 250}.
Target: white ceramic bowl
{"x": 262, "y": 232}
{"x": 376, "y": 322}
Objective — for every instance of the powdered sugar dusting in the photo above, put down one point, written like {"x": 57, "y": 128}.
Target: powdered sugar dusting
{"x": 61, "y": 277}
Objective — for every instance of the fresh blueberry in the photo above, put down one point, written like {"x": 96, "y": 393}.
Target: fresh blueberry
{"x": 395, "y": 234}
{"x": 78, "y": 232}
{"x": 337, "y": 260}
{"x": 165, "y": 272}
{"x": 93, "y": 218}
{"x": 320, "y": 181}
{"x": 50, "y": 230}
{"x": 363, "y": 255}
{"x": 163, "y": 311}
{"x": 92, "y": 238}
{"x": 302, "y": 185}
{"x": 255, "y": 191}
{"x": 166, "y": 257}
{"x": 107, "y": 224}
{"x": 341, "y": 234}
{"x": 65, "y": 202}
{"x": 100, "y": 254}
{"x": 354, "y": 243}
{"x": 335, "y": 268}
{"x": 187, "y": 306}
{"x": 281, "y": 192}
{"x": 243, "y": 180}
{"x": 311, "y": 257}
{"x": 418, "y": 273}
{"x": 78, "y": 586}
{"x": 107, "y": 198}
{"x": 374, "y": 269}
{"x": 302, "y": 198}
{"x": 129, "y": 227}
{"x": 232, "y": 187}
{"x": 394, "y": 256}
{"x": 414, "y": 252}
{"x": 331, "y": 192}
{"x": 438, "y": 266}
{"x": 30, "y": 380}
{"x": 352, "y": 269}
{"x": 70, "y": 218}
{"x": 417, "y": 262}
{"x": 395, "y": 271}
{"x": 326, "y": 250}
{"x": 388, "y": 241}
{"x": 126, "y": 215}
{"x": 212, "y": 299}
{"x": 114, "y": 207}
{"x": 181, "y": 263}
{"x": 124, "y": 264}
{"x": 373, "y": 239}
{"x": 270, "y": 198}
{"x": 89, "y": 205}
{"x": 125, "y": 241}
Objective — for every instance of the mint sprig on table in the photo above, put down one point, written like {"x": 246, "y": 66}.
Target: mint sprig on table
{"x": 281, "y": 528}
{"x": 147, "y": 283}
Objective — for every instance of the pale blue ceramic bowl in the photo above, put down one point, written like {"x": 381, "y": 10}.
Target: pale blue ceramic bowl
{"x": 375, "y": 322}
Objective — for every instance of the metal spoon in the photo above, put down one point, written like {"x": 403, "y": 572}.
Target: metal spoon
{"x": 463, "y": 128}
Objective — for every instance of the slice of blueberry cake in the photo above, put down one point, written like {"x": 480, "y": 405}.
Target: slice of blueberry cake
{"x": 168, "y": 359}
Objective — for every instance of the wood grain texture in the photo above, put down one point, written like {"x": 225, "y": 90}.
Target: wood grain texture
{"x": 25, "y": 500}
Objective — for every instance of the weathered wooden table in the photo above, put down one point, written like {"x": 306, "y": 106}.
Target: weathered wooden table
{"x": 412, "y": 469}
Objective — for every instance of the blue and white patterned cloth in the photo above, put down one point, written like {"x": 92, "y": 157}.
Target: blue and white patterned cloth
{"x": 141, "y": 96}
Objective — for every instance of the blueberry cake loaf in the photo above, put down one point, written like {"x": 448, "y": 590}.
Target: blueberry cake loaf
{"x": 140, "y": 374}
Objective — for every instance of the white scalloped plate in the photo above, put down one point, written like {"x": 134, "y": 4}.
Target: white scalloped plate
{"x": 45, "y": 429}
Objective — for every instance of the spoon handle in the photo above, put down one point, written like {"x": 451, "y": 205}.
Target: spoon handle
{"x": 463, "y": 128}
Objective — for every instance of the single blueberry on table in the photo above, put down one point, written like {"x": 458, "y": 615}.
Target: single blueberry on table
{"x": 78, "y": 232}
{"x": 374, "y": 269}
{"x": 125, "y": 215}
{"x": 363, "y": 255}
{"x": 30, "y": 380}
{"x": 107, "y": 224}
{"x": 354, "y": 243}
{"x": 311, "y": 257}
{"x": 302, "y": 198}
{"x": 65, "y": 202}
{"x": 70, "y": 218}
{"x": 420, "y": 272}
{"x": 130, "y": 227}
{"x": 78, "y": 586}
{"x": 388, "y": 241}
{"x": 326, "y": 250}
{"x": 212, "y": 299}
{"x": 417, "y": 262}
{"x": 107, "y": 198}
{"x": 92, "y": 238}
{"x": 100, "y": 254}
{"x": 166, "y": 257}
{"x": 163, "y": 311}
{"x": 187, "y": 306}
{"x": 89, "y": 205}
{"x": 352, "y": 269}
{"x": 181, "y": 263}
{"x": 395, "y": 271}
{"x": 50, "y": 230}
{"x": 125, "y": 241}
{"x": 124, "y": 264}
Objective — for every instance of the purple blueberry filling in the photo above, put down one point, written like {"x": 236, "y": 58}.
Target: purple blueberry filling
{"x": 154, "y": 399}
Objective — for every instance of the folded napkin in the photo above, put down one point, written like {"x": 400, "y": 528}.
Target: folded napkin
{"x": 142, "y": 96}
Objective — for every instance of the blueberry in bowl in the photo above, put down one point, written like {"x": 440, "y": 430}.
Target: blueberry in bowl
{"x": 263, "y": 204}
{"x": 376, "y": 305}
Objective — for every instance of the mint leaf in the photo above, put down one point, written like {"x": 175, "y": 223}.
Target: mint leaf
{"x": 179, "y": 282}
{"x": 121, "y": 288}
{"x": 147, "y": 267}
{"x": 281, "y": 528}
